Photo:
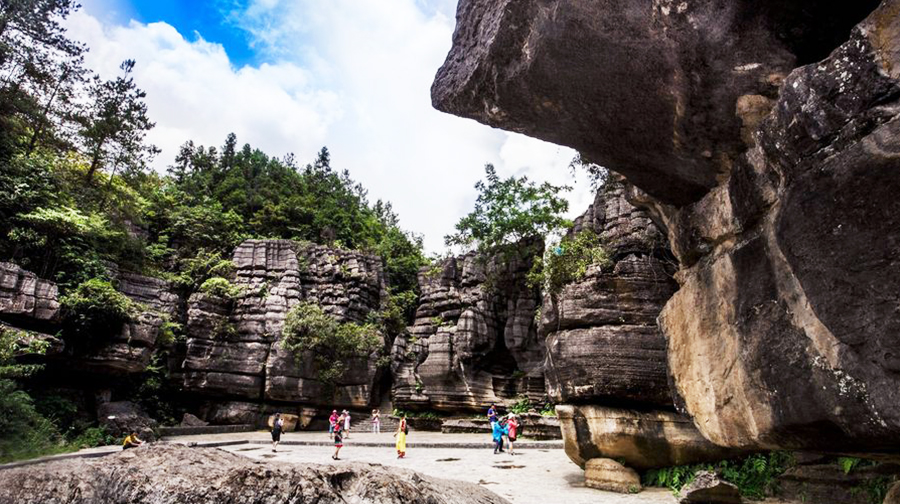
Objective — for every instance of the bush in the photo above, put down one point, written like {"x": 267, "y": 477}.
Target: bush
{"x": 221, "y": 287}
{"x": 567, "y": 262}
{"x": 24, "y": 433}
{"x": 755, "y": 475}
{"x": 94, "y": 436}
{"x": 94, "y": 310}
{"x": 309, "y": 329}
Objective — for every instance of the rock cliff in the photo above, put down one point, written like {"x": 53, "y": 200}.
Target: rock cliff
{"x": 474, "y": 340}
{"x": 763, "y": 139}
{"x": 233, "y": 350}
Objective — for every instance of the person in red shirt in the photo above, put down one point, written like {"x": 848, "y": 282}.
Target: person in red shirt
{"x": 332, "y": 420}
{"x": 513, "y": 425}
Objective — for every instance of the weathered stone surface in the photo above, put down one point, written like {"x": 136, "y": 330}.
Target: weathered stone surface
{"x": 189, "y": 420}
{"x": 781, "y": 335}
{"x": 531, "y": 425}
{"x": 474, "y": 340}
{"x": 23, "y": 294}
{"x": 642, "y": 440}
{"x": 178, "y": 474}
{"x": 777, "y": 188}
{"x": 233, "y": 413}
{"x": 893, "y": 495}
{"x": 707, "y": 488}
{"x": 603, "y": 344}
{"x": 290, "y": 422}
{"x": 829, "y": 483}
{"x": 607, "y": 474}
{"x": 121, "y": 418}
{"x": 233, "y": 347}
{"x": 649, "y": 89}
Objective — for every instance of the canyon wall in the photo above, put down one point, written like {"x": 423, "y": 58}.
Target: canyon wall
{"x": 762, "y": 138}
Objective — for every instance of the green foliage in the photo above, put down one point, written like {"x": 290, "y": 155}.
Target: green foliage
{"x": 15, "y": 343}
{"x": 426, "y": 415}
{"x": 308, "y": 329}
{"x": 93, "y": 311}
{"x": 755, "y": 475}
{"x": 24, "y": 433}
{"x": 568, "y": 262}
{"x": 848, "y": 464}
{"x": 875, "y": 489}
{"x": 522, "y": 405}
{"x": 549, "y": 410}
{"x": 221, "y": 288}
{"x": 92, "y": 437}
{"x": 509, "y": 211}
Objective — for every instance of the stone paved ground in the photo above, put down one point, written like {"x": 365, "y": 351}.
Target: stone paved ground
{"x": 538, "y": 475}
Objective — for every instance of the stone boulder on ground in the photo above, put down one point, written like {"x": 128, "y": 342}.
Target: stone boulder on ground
{"x": 708, "y": 488}
{"x": 189, "y": 420}
{"x": 121, "y": 418}
{"x": 607, "y": 474}
{"x": 893, "y": 494}
{"x": 177, "y": 474}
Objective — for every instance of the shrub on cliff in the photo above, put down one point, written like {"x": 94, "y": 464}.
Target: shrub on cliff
{"x": 307, "y": 328}
{"x": 568, "y": 262}
{"x": 93, "y": 311}
{"x": 220, "y": 287}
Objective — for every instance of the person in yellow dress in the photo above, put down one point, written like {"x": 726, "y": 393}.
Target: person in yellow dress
{"x": 402, "y": 430}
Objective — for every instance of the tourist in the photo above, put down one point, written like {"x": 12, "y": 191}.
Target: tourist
{"x": 492, "y": 414}
{"x": 332, "y": 420}
{"x": 346, "y": 424}
{"x": 277, "y": 427}
{"x": 376, "y": 422}
{"x": 131, "y": 441}
{"x": 338, "y": 439}
{"x": 498, "y": 430}
{"x": 402, "y": 430}
{"x": 512, "y": 426}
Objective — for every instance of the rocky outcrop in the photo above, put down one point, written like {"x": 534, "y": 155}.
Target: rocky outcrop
{"x": 603, "y": 345}
{"x": 642, "y": 440}
{"x": 233, "y": 349}
{"x": 474, "y": 340}
{"x": 776, "y": 187}
{"x": 25, "y": 296}
{"x": 707, "y": 488}
{"x": 606, "y": 474}
{"x": 174, "y": 473}
{"x": 121, "y": 418}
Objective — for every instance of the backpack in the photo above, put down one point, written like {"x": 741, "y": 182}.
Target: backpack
{"x": 405, "y": 428}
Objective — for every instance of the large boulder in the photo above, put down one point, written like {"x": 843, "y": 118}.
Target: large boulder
{"x": 607, "y": 474}
{"x": 178, "y": 474}
{"x": 121, "y": 418}
{"x": 708, "y": 488}
{"x": 474, "y": 340}
{"x": 641, "y": 440}
{"x": 775, "y": 185}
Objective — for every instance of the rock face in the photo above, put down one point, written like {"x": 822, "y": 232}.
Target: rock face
{"x": 602, "y": 341}
{"x": 474, "y": 340}
{"x": 233, "y": 349}
{"x": 121, "y": 418}
{"x": 177, "y": 474}
{"x": 707, "y": 488}
{"x": 607, "y": 474}
{"x": 642, "y": 440}
{"x": 24, "y": 295}
{"x": 776, "y": 187}
{"x": 649, "y": 89}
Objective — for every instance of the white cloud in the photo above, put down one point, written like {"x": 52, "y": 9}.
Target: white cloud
{"x": 354, "y": 75}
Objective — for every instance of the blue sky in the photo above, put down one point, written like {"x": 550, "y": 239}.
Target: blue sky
{"x": 291, "y": 76}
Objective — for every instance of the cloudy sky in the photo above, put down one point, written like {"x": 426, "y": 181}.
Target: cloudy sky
{"x": 291, "y": 76}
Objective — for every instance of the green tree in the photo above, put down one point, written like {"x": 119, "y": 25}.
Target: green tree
{"x": 509, "y": 211}
{"x": 115, "y": 125}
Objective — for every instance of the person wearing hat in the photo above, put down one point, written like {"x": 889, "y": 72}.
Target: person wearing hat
{"x": 332, "y": 421}
{"x": 512, "y": 426}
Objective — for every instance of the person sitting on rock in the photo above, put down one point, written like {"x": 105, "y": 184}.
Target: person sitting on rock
{"x": 277, "y": 428}
{"x": 131, "y": 441}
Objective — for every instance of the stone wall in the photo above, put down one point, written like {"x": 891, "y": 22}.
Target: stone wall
{"x": 233, "y": 352}
{"x": 474, "y": 340}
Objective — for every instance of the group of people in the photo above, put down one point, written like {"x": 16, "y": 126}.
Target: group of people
{"x": 508, "y": 427}
{"x": 339, "y": 429}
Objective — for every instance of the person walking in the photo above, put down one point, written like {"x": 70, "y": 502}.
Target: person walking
{"x": 338, "y": 437}
{"x": 332, "y": 420}
{"x": 376, "y": 422}
{"x": 498, "y": 430}
{"x": 277, "y": 427}
{"x": 512, "y": 427}
{"x": 402, "y": 430}
{"x": 346, "y": 424}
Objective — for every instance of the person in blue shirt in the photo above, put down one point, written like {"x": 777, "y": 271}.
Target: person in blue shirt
{"x": 499, "y": 430}
{"x": 492, "y": 414}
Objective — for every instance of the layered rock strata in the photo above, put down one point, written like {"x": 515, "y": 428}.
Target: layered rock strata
{"x": 776, "y": 187}
{"x": 474, "y": 340}
{"x": 25, "y": 296}
{"x": 233, "y": 349}
{"x": 175, "y": 473}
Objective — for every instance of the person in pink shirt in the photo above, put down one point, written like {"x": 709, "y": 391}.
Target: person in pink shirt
{"x": 513, "y": 425}
{"x": 332, "y": 421}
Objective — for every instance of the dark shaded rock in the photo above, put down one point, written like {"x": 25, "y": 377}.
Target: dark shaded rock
{"x": 642, "y": 440}
{"x": 649, "y": 89}
{"x": 474, "y": 340}
{"x": 707, "y": 488}
{"x": 121, "y": 418}
{"x": 24, "y": 295}
{"x": 893, "y": 495}
{"x": 189, "y": 420}
{"x": 829, "y": 483}
{"x": 178, "y": 474}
